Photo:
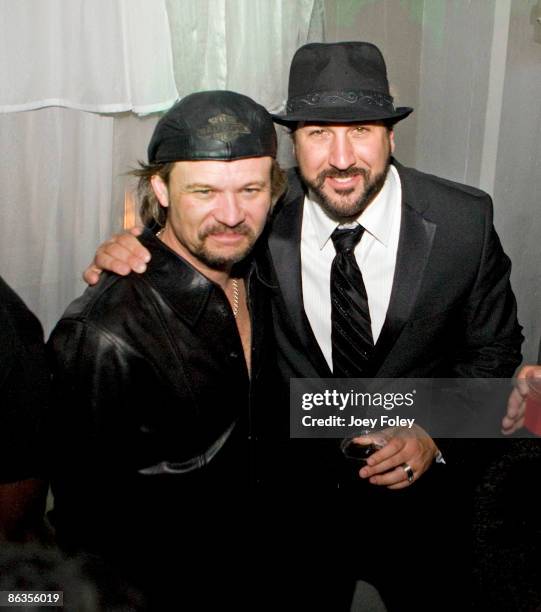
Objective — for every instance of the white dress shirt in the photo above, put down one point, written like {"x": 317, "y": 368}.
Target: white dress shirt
{"x": 375, "y": 255}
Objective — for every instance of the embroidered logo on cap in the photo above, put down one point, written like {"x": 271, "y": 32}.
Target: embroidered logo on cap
{"x": 223, "y": 127}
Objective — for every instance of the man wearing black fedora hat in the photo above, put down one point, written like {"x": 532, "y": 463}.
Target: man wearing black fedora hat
{"x": 427, "y": 294}
{"x": 408, "y": 232}
{"x": 379, "y": 271}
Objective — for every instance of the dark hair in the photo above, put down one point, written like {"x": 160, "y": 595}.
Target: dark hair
{"x": 152, "y": 212}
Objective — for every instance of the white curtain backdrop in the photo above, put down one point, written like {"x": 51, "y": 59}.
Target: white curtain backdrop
{"x": 103, "y": 56}
{"x": 62, "y": 170}
{"x": 55, "y": 188}
{"x": 253, "y": 42}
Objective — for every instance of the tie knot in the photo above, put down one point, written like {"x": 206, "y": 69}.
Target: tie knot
{"x": 345, "y": 240}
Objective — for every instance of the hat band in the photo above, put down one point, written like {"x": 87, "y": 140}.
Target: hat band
{"x": 329, "y": 99}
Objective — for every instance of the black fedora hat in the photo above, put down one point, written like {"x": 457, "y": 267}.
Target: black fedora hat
{"x": 339, "y": 82}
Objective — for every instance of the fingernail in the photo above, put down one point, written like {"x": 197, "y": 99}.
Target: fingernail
{"x": 140, "y": 267}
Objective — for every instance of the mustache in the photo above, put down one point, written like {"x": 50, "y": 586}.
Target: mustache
{"x": 336, "y": 173}
{"x": 220, "y": 228}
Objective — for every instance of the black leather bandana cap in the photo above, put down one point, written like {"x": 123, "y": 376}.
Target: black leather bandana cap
{"x": 213, "y": 125}
{"x": 339, "y": 83}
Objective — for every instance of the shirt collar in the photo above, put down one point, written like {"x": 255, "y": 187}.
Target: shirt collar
{"x": 376, "y": 219}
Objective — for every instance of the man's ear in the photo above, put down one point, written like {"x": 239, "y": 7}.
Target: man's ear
{"x": 391, "y": 139}
{"x": 160, "y": 190}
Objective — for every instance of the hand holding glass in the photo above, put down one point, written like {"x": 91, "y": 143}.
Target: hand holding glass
{"x": 359, "y": 452}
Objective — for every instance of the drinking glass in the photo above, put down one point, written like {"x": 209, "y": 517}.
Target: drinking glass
{"x": 359, "y": 453}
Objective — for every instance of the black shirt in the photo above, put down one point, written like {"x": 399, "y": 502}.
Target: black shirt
{"x": 24, "y": 383}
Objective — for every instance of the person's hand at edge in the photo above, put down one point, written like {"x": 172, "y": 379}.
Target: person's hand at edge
{"x": 516, "y": 404}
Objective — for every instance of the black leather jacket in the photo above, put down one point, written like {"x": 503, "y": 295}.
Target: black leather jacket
{"x": 153, "y": 402}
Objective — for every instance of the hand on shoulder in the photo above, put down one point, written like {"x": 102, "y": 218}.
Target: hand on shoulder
{"x": 121, "y": 254}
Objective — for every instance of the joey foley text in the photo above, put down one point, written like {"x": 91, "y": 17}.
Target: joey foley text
{"x": 341, "y": 401}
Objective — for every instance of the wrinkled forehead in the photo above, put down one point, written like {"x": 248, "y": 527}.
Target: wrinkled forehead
{"x": 222, "y": 173}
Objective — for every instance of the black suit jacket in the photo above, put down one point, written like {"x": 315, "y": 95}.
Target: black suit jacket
{"x": 452, "y": 312}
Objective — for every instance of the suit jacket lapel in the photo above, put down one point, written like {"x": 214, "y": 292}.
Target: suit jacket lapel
{"x": 414, "y": 246}
{"x": 284, "y": 246}
{"x": 415, "y": 243}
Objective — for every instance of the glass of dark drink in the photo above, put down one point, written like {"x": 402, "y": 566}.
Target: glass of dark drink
{"x": 357, "y": 452}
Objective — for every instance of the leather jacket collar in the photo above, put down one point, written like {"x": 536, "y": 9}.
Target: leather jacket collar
{"x": 176, "y": 280}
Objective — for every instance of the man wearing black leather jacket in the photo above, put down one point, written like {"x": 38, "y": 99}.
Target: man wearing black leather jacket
{"x": 155, "y": 375}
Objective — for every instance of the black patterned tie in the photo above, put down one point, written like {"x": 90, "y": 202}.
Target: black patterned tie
{"x": 352, "y": 342}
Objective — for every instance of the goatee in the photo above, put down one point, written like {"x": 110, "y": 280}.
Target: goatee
{"x": 213, "y": 259}
{"x": 339, "y": 209}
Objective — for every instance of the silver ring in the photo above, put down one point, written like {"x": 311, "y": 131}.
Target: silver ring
{"x": 409, "y": 472}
